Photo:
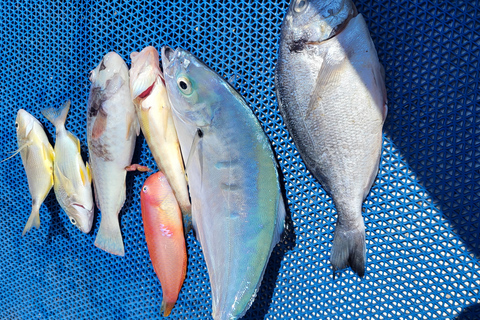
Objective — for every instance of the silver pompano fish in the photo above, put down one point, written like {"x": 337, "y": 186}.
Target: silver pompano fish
{"x": 237, "y": 208}
{"x": 37, "y": 158}
{"x": 112, "y": 128}
{"x": 331, "y": 92}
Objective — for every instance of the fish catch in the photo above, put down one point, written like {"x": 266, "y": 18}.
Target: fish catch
{"x": 112, "y": 128}
{"x": 331, "y": 93}
{"x": 162, "y": 223}
{"x": 37, "y": 158}
{"x": 72, "y": 179}
{"x": 237, "y": 208}
{"x": 155, "y": 116}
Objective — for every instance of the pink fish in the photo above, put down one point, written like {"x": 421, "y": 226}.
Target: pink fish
{"x": 162, "y": 223}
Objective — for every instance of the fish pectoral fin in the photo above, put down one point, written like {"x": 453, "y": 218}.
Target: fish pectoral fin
{"x": 196, "y": 138}
{"x": 64, "y": 182}
{"x": 134, "y": 125}
{"x": 99, "y": 125}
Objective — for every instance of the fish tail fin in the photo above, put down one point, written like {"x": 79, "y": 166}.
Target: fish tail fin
{"x": 109, "y": 237}
{"x": 349, "y": 248}
{"x": 57, "y": 116}
{"x": 166, "y": 307}
{"x": 186, "y": 218}
{"x": 33, "y": 220}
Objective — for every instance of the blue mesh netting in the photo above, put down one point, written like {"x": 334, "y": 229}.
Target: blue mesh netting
{"x": 422, "y": 215}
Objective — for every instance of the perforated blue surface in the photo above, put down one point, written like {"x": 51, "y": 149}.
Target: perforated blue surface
{"x": 422, "y": 215}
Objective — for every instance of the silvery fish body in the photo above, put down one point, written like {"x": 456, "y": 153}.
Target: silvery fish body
{"x": 72, "y": 178}
{"x": 112, "y": 128}
{"x": 37, "y": 158}
{"x": 237, "y": 208}
{"x": 331, "y": 93}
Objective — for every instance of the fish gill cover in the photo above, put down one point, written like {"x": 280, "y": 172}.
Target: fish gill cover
{"x": 422, "y": 215}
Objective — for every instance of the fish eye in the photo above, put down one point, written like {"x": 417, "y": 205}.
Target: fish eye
{"x": 184, "y": 85}
{"x": 300, "y": 5}
{"x": 73, "y": 221}
{"x": 144, "y": 189}
{"x": 16, "y": 125}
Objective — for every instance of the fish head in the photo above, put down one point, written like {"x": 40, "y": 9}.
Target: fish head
{"x": 192, "y": 87}
{"x": 144, "y": 72}
{"x": 154, "y": 189}
{"x": 81, "y": 216}
{"x": 24, "y": 124}
{"x": 110, "y": 74}
{"x": 314, "y": 21}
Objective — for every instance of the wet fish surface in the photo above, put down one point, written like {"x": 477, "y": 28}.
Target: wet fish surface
{"x": 72, "y": 178}
{"x": 163, "y": 227}
{"x": 237, "y": 208}
{"x": 155, "y": 116}
{"x": 331, "y": 94}
{"x": 37, "y": 157}
{"x": 112, "y": 128}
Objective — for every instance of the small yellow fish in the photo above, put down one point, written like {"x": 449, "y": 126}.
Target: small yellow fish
{"x": 155, "y": 116}
{"x": 37, "y": 158}
{"x": 73, "y": 180}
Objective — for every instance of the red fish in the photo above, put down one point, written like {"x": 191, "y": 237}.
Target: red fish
{"x": 162, "y": 223}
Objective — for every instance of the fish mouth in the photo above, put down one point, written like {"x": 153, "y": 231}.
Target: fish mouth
{"x": 84, "y": 217}
{"x": 168, "y": 55}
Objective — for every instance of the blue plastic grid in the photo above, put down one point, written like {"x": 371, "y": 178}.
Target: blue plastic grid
{"x": 422, "y": 215}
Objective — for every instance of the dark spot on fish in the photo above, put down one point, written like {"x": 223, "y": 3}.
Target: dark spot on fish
{"x": 95, "y": 100}
{"x": 199, "y": 133}
{"x": 102, "y": 66}
{"x": 101, "y": 150}
{"x": 297, "y": 45}
{"x": 34, "y": 202}
{"x": 229, "y": 186}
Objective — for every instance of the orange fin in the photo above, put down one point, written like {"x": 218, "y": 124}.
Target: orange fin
{"x": 137, "y": 167}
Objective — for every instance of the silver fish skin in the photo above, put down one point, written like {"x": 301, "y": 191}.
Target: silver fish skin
{"x": 37, "y": 157}
{"x": 331, "y": 93}
{"x": 112, "y": 128}
{"x": 237, "y": 208}
{"x": 72, "y": 178}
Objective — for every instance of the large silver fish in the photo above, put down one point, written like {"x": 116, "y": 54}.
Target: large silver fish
{"x": 112, "y": 128}
{"x": 72, "y": 179}
{"x": 237, "y": 208}
{"x": 331, "y": 93}
{"x": 37, "y": 158}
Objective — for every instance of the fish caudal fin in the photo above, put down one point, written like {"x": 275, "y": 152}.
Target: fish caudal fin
{"x": 33, "y": 220}
{"x": 349, "y": 248}
{"x": 109, "y": 237}
{"x": 57, "y": 116}
{"x": 166, "y": 307}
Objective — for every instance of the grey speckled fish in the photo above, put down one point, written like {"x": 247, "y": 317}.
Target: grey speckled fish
{"x": 112, "y": 128}
{"x": 331, "y": 93}
{"x": 237, "y": 208}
